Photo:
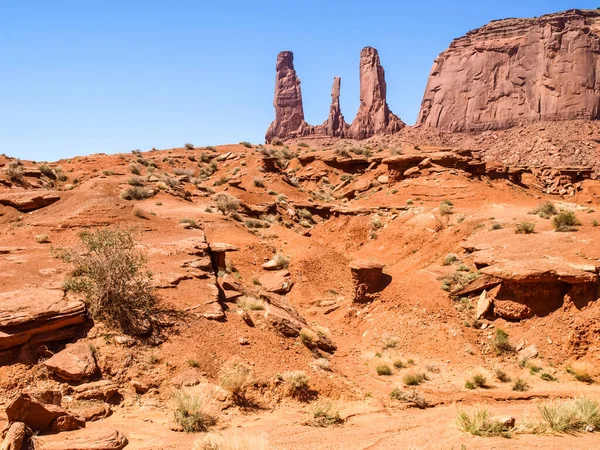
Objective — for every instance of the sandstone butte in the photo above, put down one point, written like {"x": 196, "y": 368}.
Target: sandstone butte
{"x": 517, "y": 70}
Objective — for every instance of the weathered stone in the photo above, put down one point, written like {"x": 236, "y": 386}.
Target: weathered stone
{"x": 528, "y": 352}
{"x": 513, "y": 71}
{"x": 16, "y": 437}
{"x": 335, "y": 125}
{"x": 67, "y": 423}
{"x": 277, "y": 282}
{"x": 74, "y": 363}
{"x": 374, "y": 115}
{"x": 289, "y": 112}
{"x": 37, "y": 416}
{"x": 104, "y": 390}
{"x": 33, "y": 312}
{"x": 86, "y": 439}
{"x": 218, "y": 252}
{"x": 366, "y": 278}
{"x": 28, "y": 200}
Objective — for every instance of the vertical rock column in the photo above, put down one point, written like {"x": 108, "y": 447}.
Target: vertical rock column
{"x": 374, "y": 115}
{"x": 366, "y": 279}
{"x": 289, "y": 113}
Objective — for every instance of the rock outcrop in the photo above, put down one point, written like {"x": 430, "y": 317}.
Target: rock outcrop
{"x": 373, "y": 118}
{"x": 366, "y": 279}
{"x": 517, "y": 70}
{"x": 289, "y": 112}
{"x": 374, "y": 115}
{"x": 76, "y": 362}
{"x": 41, "y": 417}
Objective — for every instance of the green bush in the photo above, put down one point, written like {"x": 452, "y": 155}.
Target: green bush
{"x": 384, "y": 370}
{"x": 545, "y": 210}
{"x": 190, "y": 412}
{"x": 524, "y": 228}
{"x": 565, "y": 221}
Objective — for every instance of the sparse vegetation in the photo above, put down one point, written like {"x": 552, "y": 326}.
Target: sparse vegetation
{"x": 480, "y": 423}
{"x": 231, "y": 441}
{"x": 191, "y": 412}
{"x": 501, "y": 342}
{"x": 564, "y": 416}
{"x": 547, "y": 377}
{"x": 545, "y": 210}
{"x": 478, "y": 380}
{"x": 414, "y": 378}
{"x": 520, "y": 385}
{"x": 250, "y": 303}
{"x": 258, "y": 182}
{"x": 524, "y": 228}
{"x": 399, "y": 364}
{"x": 14, "y": 171}
{"x": 111, "y": 271}
{"x": 308, "y": 337}
{"x": 226, "y": 203}
{"x": 383, "y": 370}
{"x": 581, "y": 373}
{"x": 235, "y": 378}
{"x": 565, "y": 221}
{"x": 501, "y": 375}
{"x": 412, "y": 398}
{"x": 42, "y": 239}
{"x": 321, "y": 364}
{"x": 136, "y": 193}
{"x": 297, "y": 384}
{"x": 189, "y": 146}
{"x": 446, "y": 207}
{"x": 451, "y": 258}
{"x": 190, "y": 222}
{"x": 246, "y": 144}
{"x": 325, "y": 414}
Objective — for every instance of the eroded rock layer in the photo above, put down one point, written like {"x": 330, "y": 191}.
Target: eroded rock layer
{"x": 517, "y": 70}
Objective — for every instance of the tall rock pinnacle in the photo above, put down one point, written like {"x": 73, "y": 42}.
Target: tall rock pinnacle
{"x": 335, "y": 125}
{"x": 289, "y": 112}
{"x": 517, "y": 70}
{"x": 374, "y": 115}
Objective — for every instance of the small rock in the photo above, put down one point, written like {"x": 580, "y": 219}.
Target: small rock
{"x": 244, "y": 341}
{"x": 383, "y": 179}
{"x": 530, "y": 351}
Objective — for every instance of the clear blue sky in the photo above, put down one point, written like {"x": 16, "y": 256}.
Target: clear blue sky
{"x": 88, "y": 76}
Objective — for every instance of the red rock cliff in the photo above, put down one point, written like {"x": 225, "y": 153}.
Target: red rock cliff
{"x": 517, "y": 70}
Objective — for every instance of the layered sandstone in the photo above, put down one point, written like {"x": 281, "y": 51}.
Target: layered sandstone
{"x": 517, "y": 70}
{"x": 373, "y": 118}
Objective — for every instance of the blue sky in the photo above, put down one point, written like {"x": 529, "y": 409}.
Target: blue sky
{"x": 80, "y": 77}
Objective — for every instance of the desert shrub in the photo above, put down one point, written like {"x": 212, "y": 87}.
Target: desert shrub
{"x": 520, "y": 385}
{"x": 390, "y": 342}
{"x": 325, "y": 414}
{"x": 135, "y": 181}
{"x": 136, "y": 193}
{"x": 138, "y": 212}
{"x": 111, "y": 271}
{"x": 450, "y": 258}
{"x": 42, "y": 239}
{"x": 478, "y": 380}
{"x": 412, "y": 398}
{"x": 446, "y": 207}
{"x": 191, "y": 412}
{"x": 258, "y": 182}
{"x": 565, "y": 221}
{"x": 189, "y": 146}
{"x": 246, "y": 144}
{"x": 135, "y": 169}
{"x": 581, "y": 373}
{"x": 545, "y": 210}
{"x": 308, "y": 337}
{"x": 501, "y": 375}
{"x": 496, "y": 226}
{"x": 235, "y": 378}
{"x": 14, "y": 171}
{"x": 60, "y": 175}
{"x": 183, "y": 172}
{"x": 480, "y": 423}
{"x": 571, "y": 415}
{"x": 547, "y": 377}
{"x": 501, "y": 342}
{"x": 534, "y": 368}
{"x": 282, "y": 261}
{"x": 414, "y": 378}
{"x": 193, "y": 363}
{"x": 384, "y": 370}
{"x": 321, "y": 364}
{"x": 297, "y": 384}
{"x": 303, "y": 145}
{"x": 47, "y": 171}
{"x": 231, "y": 441}
{"x": 226, "y": 203}
{"x": 276, "y": 141}
{"x": 255, "y": 223}
{"x": 192, "y": 223}
{"x": 524, "y": 228}
{"x": 399, "y": 364}
{"x": 250, "y": 304}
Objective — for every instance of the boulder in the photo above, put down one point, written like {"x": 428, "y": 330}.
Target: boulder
{"x": 86, "y": 439}
{"x": 38, "y": 416}
{"x": 335, "y": 125}
{"x": 218, "y": 251}
{"x": 104, "y": 390}
{"x": 511, "y": 71}
{"x": 528, "y": 352}
{"x": 75, "y": 363}
{"x": 483, "y": 305}
{"x": 276, "y": 282}
{"x": 16, "y": 437}
{"x": 366, "y": 279}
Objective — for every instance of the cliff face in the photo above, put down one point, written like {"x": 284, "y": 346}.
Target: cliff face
{"x": 517, "y": 70}
{"x": 373, "y": 117}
